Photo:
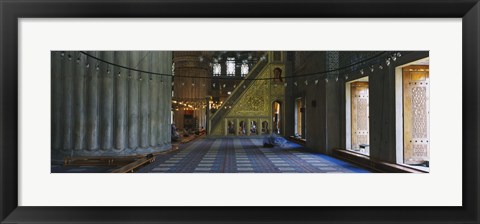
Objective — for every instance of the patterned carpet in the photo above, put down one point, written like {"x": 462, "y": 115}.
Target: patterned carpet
{"x": 246, "y": 155}
{"x": 55, "y": 168}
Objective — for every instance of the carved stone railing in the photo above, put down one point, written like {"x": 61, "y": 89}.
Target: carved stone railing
{"x": 238, "y": 92}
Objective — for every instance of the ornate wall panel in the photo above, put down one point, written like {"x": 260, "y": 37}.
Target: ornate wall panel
{"x": 333, "y": 60}
{"x": 254, "y": 102}
{"x": 360, "y": 120}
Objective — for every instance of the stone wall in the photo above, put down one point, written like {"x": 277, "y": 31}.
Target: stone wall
{"x": 326, "y": 121}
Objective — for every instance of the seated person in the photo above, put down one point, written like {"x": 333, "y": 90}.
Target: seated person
{"x": 273, "y": 140}
{"x": 174, "y": 133}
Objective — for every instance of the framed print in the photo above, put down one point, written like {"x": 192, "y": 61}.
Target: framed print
{"x": 245, "y": 112}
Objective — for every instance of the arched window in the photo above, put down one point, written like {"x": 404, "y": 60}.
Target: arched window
{"x": 244, "y": 69}
{"x": 217, "y": 69}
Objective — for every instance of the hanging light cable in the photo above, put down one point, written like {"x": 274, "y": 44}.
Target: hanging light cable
{"x": 239, "y": 78}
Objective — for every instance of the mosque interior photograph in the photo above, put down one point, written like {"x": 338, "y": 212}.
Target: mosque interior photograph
{"x": 240, "y": 112}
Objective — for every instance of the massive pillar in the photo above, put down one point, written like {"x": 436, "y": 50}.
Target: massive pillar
{"x": 101, "y": 109}
{"x": 191, "y": 90}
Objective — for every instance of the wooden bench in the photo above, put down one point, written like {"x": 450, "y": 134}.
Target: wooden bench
{"x": 127, "y": 163}
{"x": 134, "y": 165}
{"x": 97, "y": 161}
{"x": 300, "y": 141}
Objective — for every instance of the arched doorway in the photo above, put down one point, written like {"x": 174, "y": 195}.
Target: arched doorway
{"x": 242, "y": 125}
{"x": 276, "y": 117}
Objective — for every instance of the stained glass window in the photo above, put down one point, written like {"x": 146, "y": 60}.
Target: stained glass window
{"x": 230, "y": 66}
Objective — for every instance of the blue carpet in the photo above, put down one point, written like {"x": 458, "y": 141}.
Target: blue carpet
{"x": 246, "y": 155}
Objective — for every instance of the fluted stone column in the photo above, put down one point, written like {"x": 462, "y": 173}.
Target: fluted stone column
{"x": 158, "y": 81}
{"x": 68, "y": 100}
{"x": 104, "y": 110}
{"x": 167, "y": 91}
{"x": 79, "y": 101}
{"x": 144, "y": 103}
{"x": 120, "y": 102}
{"x": 153, "y": 107}
{"x": 133, "y": 106}
{"x": 92, "y": 107}
{"x": 194, "y": 64}
{"x": 58, "y": 66}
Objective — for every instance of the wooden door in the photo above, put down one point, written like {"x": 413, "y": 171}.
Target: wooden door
{"x": 299, "y": 118}
{"x": 416, "y": 110}
{"x": 360, "y": 114}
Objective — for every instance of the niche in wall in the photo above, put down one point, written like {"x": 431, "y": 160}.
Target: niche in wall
{"x": 412, "y": 100}
{"x": 357, "y": 116}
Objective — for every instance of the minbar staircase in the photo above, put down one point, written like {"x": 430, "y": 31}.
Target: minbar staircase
{"x": 238, "y": 92}
{"x": 260, "y": 70}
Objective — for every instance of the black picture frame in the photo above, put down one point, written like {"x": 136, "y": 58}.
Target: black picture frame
{"x": 11, "y": 11}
